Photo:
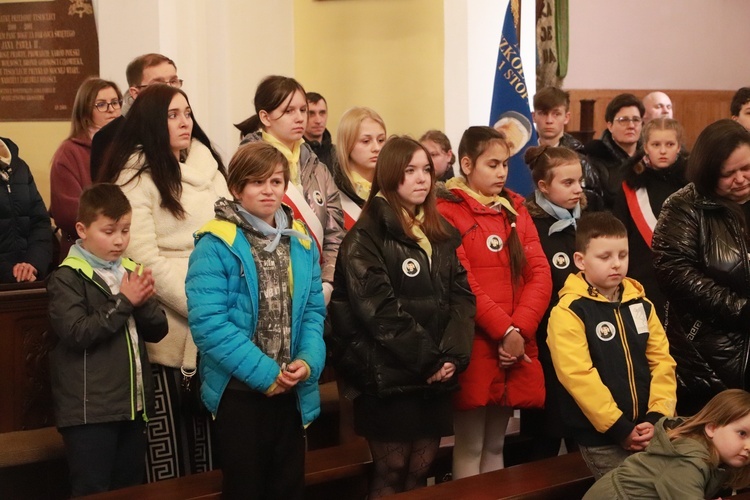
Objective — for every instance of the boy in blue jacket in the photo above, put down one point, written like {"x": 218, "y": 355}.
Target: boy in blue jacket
{"x": 101, "y": 307}
{"x": 256, "y": 311}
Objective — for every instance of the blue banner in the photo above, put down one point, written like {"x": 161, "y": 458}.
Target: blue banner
{"x": 510, "y": 111}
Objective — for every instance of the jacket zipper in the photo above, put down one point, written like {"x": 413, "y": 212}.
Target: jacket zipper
{"x": 628, "y": 362}
{"x": 85, "y": 386}
{"x": 130, "y": 357}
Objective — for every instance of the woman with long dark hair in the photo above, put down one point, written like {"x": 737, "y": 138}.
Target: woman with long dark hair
{"x": 172, "y": 176}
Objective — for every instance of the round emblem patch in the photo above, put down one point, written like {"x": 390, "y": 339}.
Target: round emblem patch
{"x": 561, "y": 260}
{"x": 605, "y": 331}
{"x": 410, "y": 267}
{"x": 318, "y": 198}
{"x": 494, "y": 243}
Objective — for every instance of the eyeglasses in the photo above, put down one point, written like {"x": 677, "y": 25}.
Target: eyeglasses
{"x": 627, "y": 120}
{"x": 104, "y": 106}
{"x": 174, "y": 82}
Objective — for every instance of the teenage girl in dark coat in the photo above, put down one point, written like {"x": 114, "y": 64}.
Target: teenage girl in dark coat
{"x": 402, "y": 314}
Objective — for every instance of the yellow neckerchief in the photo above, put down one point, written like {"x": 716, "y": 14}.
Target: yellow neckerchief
{"x": 292, "y": 155}
{"x": 490, "y": 201}
{"x": 361, "y": 185}
{"x": 416, "y": 228}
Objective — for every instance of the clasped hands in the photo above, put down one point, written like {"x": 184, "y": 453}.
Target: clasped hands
{"x": 512, "y": 349}
{"x": 138, "y": 286}
{"x": 289, "y": 376}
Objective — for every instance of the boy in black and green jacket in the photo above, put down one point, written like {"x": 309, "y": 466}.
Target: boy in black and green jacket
{"x": 102, "y": 309}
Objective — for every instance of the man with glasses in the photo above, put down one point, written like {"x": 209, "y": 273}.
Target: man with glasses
{"x": 142, "y": 71}
{"x": 621, "y": 141}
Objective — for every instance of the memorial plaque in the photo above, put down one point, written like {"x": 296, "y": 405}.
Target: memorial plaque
{"x": 47, "y": 48}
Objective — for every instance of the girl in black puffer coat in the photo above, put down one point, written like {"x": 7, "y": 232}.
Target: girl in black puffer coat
{"x": 701, "y": 260}
{"x": 403, "y": 318}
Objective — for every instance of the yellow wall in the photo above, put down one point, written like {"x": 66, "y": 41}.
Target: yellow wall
{"x": 384, "y": 54}
{"x": 37, "y": 142}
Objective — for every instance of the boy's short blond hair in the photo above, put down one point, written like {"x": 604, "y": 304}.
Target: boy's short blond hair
{"x": 597, "y": 225}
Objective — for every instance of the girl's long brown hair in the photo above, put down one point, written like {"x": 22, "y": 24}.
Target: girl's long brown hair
{"x": 389, "y": 174}
{"x": 723, "y": 409}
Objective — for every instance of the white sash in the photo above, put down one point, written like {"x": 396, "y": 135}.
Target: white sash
{"x": 296, "y": 200}
{"x": 351, "y": 210}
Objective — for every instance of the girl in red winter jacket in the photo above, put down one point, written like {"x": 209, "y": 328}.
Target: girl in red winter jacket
{"x": 509, "y": 274}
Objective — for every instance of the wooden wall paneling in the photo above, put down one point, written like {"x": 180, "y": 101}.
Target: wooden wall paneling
{"x": 694, "y": 109}
{"x": 25, "y": 399}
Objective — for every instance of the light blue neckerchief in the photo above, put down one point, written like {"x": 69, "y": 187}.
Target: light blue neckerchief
{"x": 97, "y": 263}
{"x": 281, "y": 229}
{"x": 563, "y": 216}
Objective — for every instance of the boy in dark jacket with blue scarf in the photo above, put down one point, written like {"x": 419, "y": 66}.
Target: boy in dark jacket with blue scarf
{"x": 102, "y": 309}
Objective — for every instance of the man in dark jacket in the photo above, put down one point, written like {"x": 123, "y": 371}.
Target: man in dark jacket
{"x": 25, "y": 229}
{"x": 316, "y": 133}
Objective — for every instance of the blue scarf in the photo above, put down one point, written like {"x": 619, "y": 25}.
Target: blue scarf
{"x": 281, "y": 229}
{"x": 115, "y": 266}
{"x": 563, "y": 216}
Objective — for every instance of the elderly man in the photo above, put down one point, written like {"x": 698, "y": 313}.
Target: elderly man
{"x": 658, "y": 105}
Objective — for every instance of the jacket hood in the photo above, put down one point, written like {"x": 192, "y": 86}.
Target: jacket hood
{"x": 8, "y": 150}
{"x": 685, "y": 447}
{"x": 576, "y": 284}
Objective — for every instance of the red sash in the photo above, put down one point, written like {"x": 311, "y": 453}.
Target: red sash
{"x": 351, "y": 211}
{"x": 640, "y": 210}
{"x": 302, "y": 211}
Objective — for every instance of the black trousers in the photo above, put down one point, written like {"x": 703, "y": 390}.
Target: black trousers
{"x": 106, "y": 456}
{"x": 261, "y": 444}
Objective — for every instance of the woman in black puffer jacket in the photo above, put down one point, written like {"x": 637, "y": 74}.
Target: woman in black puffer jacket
{"x": 701, "y": 260}
{"x": 403, "y": 318}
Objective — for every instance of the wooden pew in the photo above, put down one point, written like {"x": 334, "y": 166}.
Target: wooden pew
{"x": 334, "y": 472}
{"x": 563, "y": 477}
{"x": 323, "y": 466}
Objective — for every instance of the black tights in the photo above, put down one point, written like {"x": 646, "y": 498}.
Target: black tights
{"x": 400, "y": 466}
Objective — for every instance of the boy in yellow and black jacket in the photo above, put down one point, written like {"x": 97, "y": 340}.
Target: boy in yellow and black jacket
{"x": 609, "y": 350}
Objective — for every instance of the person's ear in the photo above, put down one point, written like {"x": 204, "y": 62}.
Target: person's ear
{"x": 578, "y": 260}
{"x": 710, "y": 430}
{"x": 610, "y": 126}
{"x": 466, "y": 165}
{"x": 264, "y": 118}
{"x": 133, "y": 91}
{"x": 81, "y": 230}
{"x": 543, "y": 187}
{"x": 567, "y": 117}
